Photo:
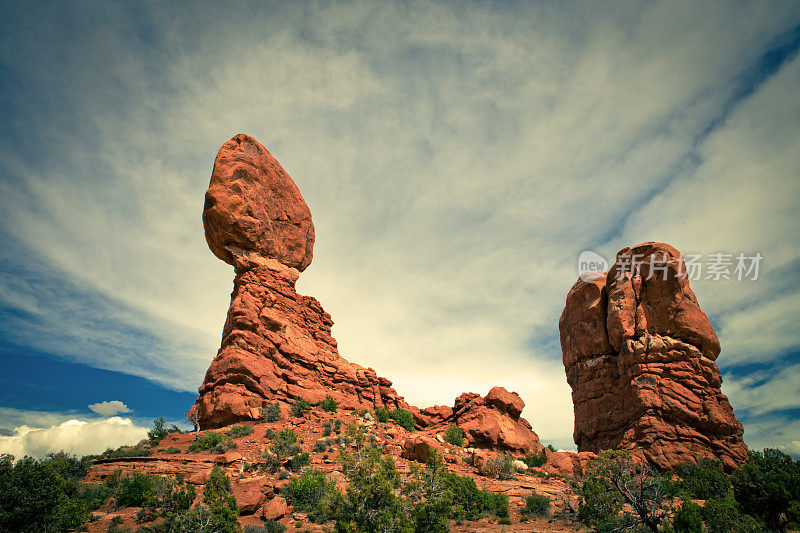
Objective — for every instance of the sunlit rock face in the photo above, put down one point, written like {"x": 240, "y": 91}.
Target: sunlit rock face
{"x": 276, "y": 343}
{"x": 639, "y": 354}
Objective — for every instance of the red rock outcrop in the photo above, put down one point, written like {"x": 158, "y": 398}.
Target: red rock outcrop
{"x": 490, "y": 422}
{"x": 639, "y": 355}
{"x": 252, "y": 204}
{"x": 276, "y": 343}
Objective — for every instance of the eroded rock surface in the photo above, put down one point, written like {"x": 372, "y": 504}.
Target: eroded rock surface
{"x": 639, "y": 355}
{"x": 276, "y": 343}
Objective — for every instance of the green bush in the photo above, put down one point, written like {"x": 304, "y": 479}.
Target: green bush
{"x": 271, "y": 413}
{"x": 321, "y": 446}
{"x": 613, "y": 480}
{"x": 767, "y": 487}
{"x": 160, "y": 430}
{"x": 212, "y": 441}
{"x": 327, "y": 428}
{"x": 382, "y": 414}
{"x": 270, "y": 526}
{"x": 300, "y": 407}
{"x": 172, "y": 449}
{"x": 688, "y": 518}
{"x": 534, "y": 460}
{"x": 312, "y": 493}
{"x": 704, "y": 480}
{"x": 240, "y": 431}
{"x": 221, "y": 502}
{"x": 41, "y": 495}
{"x": 136, "y": 490}
{"x": 536, "y": 504}
{"x": 329, "y": 404}
{"x": 551, "y": 448}
{"x": 503, "y": 466}
{"x": 337, "y": 426}
{"x": 454, "y": 435}
{"x": 140, "y": 450}
{"x": 284, "y": 445}
{"x": 300, "y": 460}
{"x": 404, "y": 418}
{"x": 724, "y": 516}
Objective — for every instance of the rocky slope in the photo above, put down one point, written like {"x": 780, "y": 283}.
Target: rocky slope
{"x": 639, "y": 355}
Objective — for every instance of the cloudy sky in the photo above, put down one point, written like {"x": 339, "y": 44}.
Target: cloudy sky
{"x": 457, "y": 158}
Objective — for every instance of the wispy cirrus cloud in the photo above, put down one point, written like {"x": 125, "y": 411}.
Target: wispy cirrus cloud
{"x": 457, "y": 158}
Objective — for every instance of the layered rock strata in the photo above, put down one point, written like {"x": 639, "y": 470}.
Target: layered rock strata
{"x": 639, "y": 354}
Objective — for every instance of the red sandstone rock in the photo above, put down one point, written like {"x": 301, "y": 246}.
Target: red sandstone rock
{"x": 276, "y": 344}
{"x": 494, "y": 422}
{"x": 639, "y": 355}
{"x": 249, "y": 494}
{"x": 418, "y": 448}
{"x": 253, "y": 205}
{"x": 275, "y": 509}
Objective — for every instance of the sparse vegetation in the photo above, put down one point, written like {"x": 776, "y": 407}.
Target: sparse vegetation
{"x": 454, "y": 435}
{"x": 382, "y": 414}
{"x": 536, "y": 505}
{"x": 270, "y": 526}
{"x": 284, "y": 446}
{"x": 300, "y": 407}
{"x": 534, "y": 459}
{"x": 503, "y": 466}
{"x": 211, "y": 441}
{"x": 240, "y": 431}
{"x": 329, "y": 404}
{"x": 614, "y": 479}
{"x": 171, "y": 450}
{"x": 271, "y": 413}
{"x": 403, "y": 418}
{"x": 140, "y": 450}
{"x": 160, "y": 430}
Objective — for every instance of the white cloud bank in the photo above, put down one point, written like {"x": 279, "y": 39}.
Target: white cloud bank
{"x": 74, "y": 436}
{"x": 114, "y": 407}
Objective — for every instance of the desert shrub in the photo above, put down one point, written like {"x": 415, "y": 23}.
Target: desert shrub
{"x": 172, "y": 449}
{"x": 551, "y": 448}
{"x": 767, "y": 487}
{"x": 454, "y": 435}
{"x": 371, "y": 502}
{"x": 503, "y": 466}
{"x": 312, "y": 493}
{"x": 337, "y": 426}
{"x": 404, "y": 418}
{"x": 269, "y": 434}
{"x": 724, "y": 516}
{"x": 272, "y": 412}
{"x": 270, "y": 526}
{"x": 160, "y": 430}
{"x": 327, "y": 428}
{"x": 534, "y": 459}
{"x": 615, "y": 479}
{"x": 300, "y": 407}
{"x": 284, "y": 445}
{"x": 329, "y": 404}
{"x": 41, "y": 495}
{"x": 212, "y": 441}
{"x": 688, "y": 518}
{"x": 136, "y": 489}
{"x": 140, "y": 450}
{"x": 221, "y": 502}
{"x": 382, "y": 414}
{"x": 321, "y": 446}
{"x": 536, "y": 504}
{"x": 704, "y": 480}
{"x": 300, "y": 460}
{"x": 240, "y": 431}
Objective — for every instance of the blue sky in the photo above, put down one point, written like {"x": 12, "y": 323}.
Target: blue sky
{"x": 457, "y": 158}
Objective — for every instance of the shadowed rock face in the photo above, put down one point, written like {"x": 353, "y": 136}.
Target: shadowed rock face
{"x": 639, "y": 355}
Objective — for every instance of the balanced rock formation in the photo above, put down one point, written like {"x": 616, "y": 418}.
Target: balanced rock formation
{"x": 276, "y": 343}
{"x": 639, "y": 355}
